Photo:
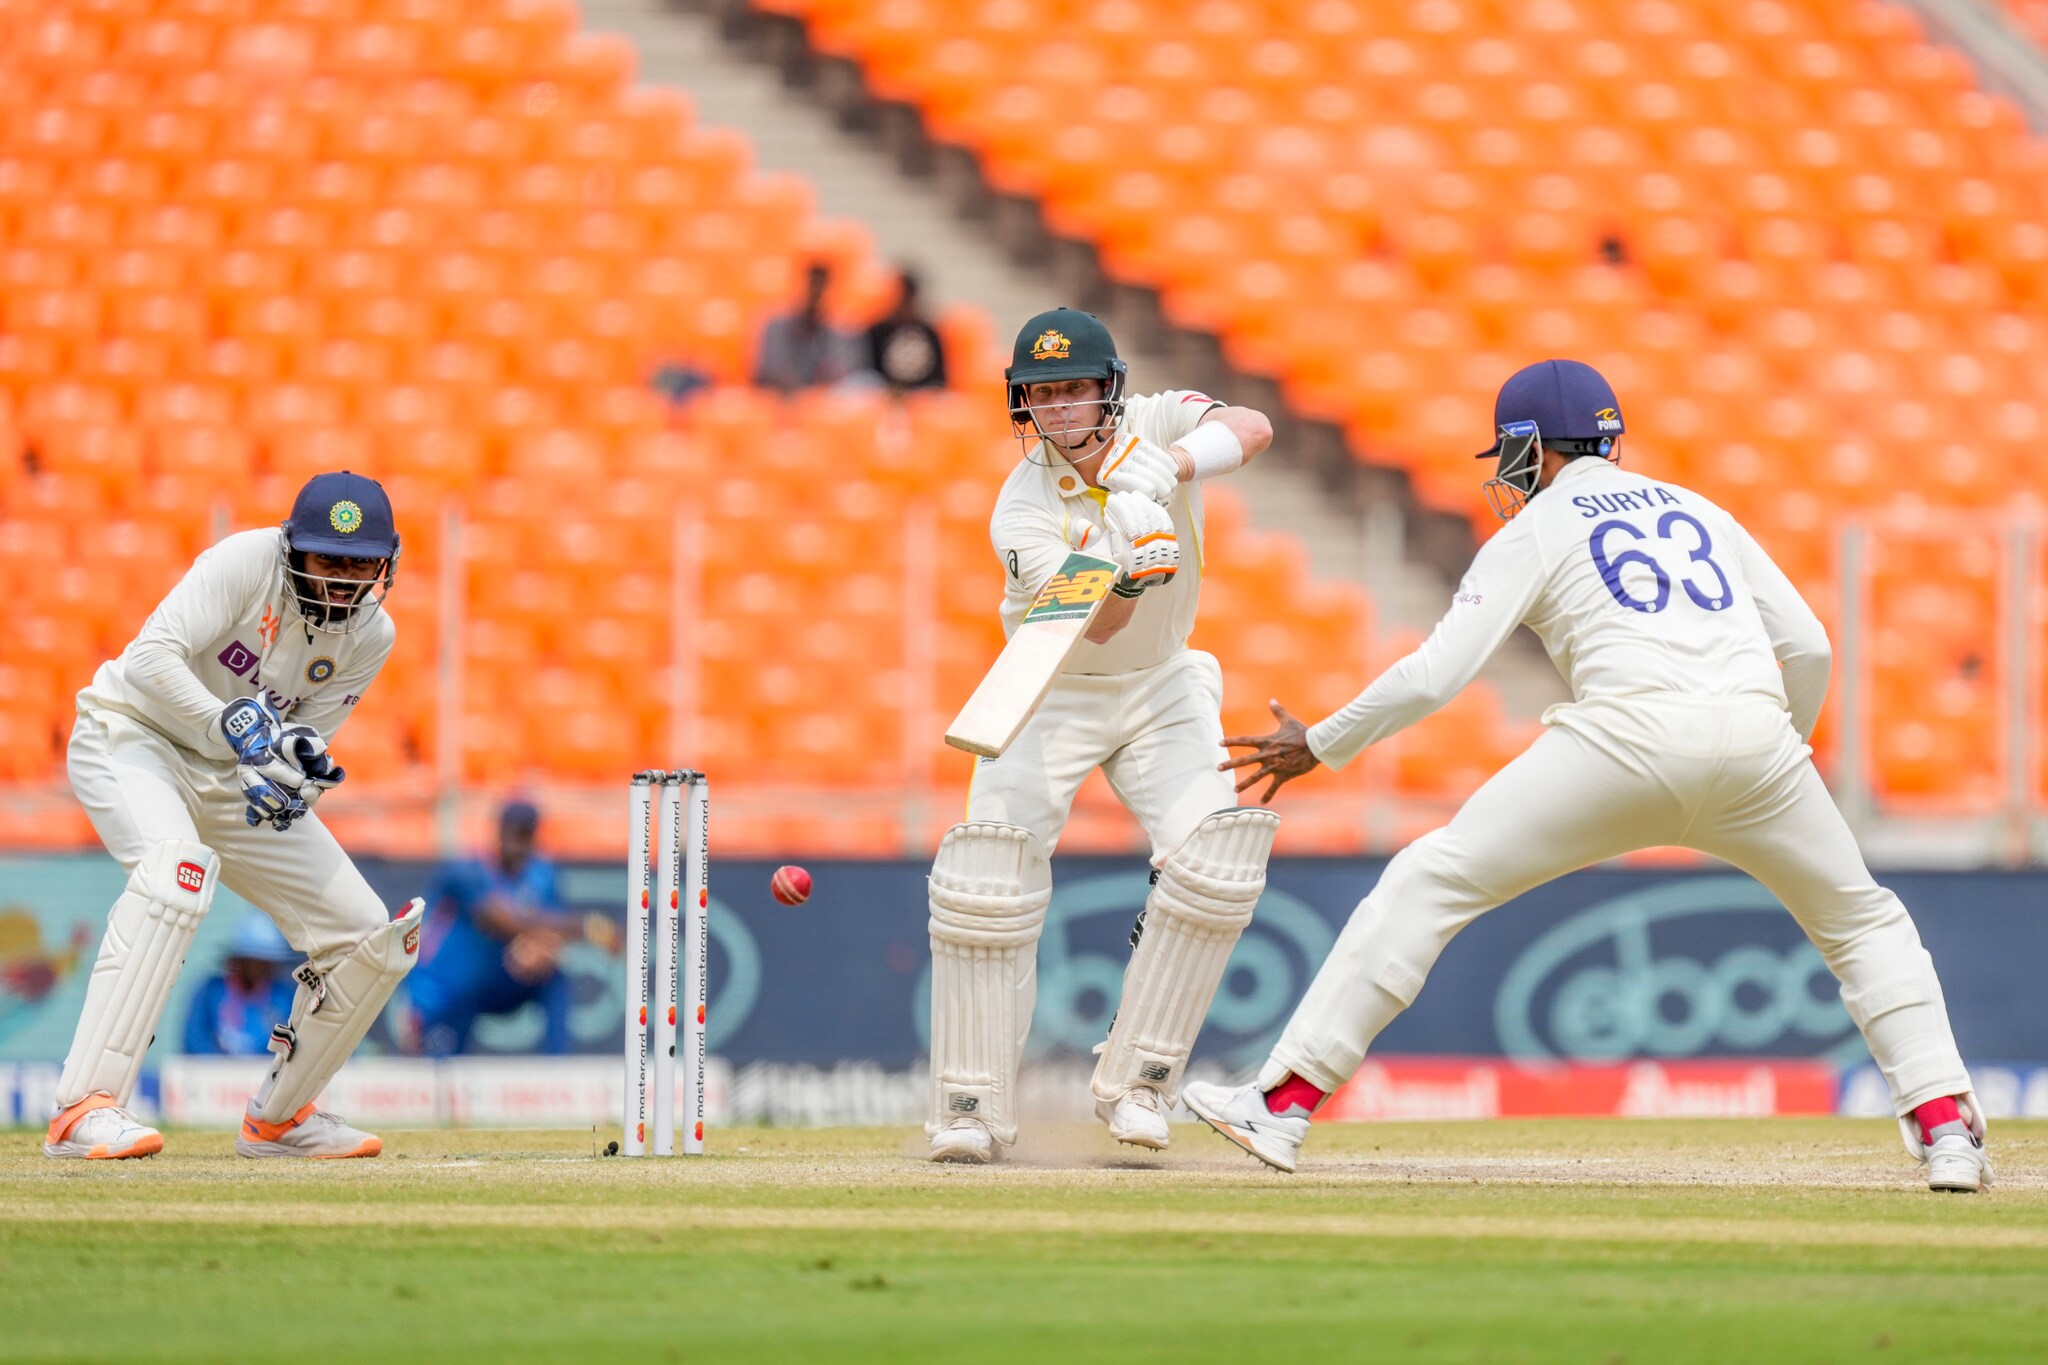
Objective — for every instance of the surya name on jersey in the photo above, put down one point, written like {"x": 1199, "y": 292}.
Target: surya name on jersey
{"x": 1618, "y": 546}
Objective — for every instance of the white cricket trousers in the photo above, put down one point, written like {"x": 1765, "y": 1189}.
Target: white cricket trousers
{"x": 1156, "y": 733}
{"x": 1731, "y": 779}
{"x": 137, "y": 787}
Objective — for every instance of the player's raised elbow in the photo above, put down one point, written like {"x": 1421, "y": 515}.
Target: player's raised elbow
{"x": 1254, "y": 430}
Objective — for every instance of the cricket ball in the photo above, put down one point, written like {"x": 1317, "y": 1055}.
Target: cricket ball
{"x": 790, "y": 885}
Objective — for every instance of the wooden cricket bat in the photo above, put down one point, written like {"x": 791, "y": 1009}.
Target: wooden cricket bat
{"x": 1023, "y": 673}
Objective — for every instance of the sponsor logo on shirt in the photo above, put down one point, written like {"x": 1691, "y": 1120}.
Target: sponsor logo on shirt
{"x": 238, "y": 659}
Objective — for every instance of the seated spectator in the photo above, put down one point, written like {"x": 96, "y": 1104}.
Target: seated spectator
{"x": 904, "y": 348}
{"x": 233, "y": 1011}
{"x": 505, "y": 928}
{"x": 801, "y": 350}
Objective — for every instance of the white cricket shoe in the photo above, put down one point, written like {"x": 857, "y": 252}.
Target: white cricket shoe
{"x": 1239, "y": 1113}
{"x": 964, "y": 1140}
{"x": 98, "y": 1129}
{"x": 1956, "y": 1164}
{"x": 309, "y": 1133}
{"x": 1139, "y": 1118}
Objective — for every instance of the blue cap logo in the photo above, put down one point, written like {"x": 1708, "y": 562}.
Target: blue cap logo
{"x": 345, "y": 517}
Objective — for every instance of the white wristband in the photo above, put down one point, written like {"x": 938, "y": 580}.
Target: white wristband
{"x": 1212, "y": 448}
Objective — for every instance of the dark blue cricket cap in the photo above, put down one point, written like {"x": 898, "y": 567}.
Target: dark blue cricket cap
{"x": 520, "y": 817}
{"x": 345, "y": 514}
{"x": 1568, "y": 400}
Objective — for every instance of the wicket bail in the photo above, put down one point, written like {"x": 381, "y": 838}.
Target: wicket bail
{"x": 668, "y": 899}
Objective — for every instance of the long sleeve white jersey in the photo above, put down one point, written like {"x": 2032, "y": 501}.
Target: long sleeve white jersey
{"x": 1046, "y": 510}
{"x": 230, "y": 628}
{"x": 1636, "y": 588}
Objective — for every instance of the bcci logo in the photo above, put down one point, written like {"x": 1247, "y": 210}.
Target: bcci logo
{"x": 320, "y": 670}
{"x": 345, "y": 517}
{"x": 1051, "y": 345}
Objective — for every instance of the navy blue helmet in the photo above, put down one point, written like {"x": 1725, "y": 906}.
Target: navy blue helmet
{"x": 341, "y": 515}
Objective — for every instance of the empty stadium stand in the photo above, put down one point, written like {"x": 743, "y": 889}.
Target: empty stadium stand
{"x": 444, "y": 244}
{"x": 1807, "y": 248}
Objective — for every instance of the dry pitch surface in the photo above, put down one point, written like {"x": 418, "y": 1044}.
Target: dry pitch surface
{"x": 1598, "y": 1242}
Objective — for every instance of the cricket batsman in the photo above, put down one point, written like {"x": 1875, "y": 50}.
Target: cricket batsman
{"x": 1697, "y": 673}
{"x": 1116, "y": 476}
{"x": 199, "y": 755}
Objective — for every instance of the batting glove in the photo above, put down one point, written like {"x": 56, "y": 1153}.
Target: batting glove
{"x": 1135, "y": 465}
{"x": 1141, "y": 540}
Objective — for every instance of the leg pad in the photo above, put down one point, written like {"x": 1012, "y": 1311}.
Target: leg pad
{"x": 1201, "y": 903}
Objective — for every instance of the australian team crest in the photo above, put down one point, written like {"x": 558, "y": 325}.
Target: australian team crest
{"x": 1052, "y": 344}
{"x": 320, "y": 670}
{"x": 345, "y": 517}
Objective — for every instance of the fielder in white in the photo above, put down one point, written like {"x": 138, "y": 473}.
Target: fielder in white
{"x": 1118, "y": 477}
{"x": 1697, "y": 673}
{"x": 188, "y": 789}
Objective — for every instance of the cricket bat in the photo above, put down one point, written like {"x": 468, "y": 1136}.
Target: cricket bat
{"x": 1022, "y": 674}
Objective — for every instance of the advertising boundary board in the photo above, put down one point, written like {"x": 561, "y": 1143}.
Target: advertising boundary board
{"x": 1604, "y": 967}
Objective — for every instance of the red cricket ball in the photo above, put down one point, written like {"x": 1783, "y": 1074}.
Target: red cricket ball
{"x": 790, "y": 885}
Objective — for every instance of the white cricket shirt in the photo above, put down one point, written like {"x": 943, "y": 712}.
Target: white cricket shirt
{"x": 1636, "y": 587}
{"x": 1047, "y": 510}
{"x": 231, "y": 629}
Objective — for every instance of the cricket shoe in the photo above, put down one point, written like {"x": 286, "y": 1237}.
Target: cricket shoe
{"x": 309, "y": 1133}
{"x": 1239, "y": 1113}
{"x": 1139, "y": 1118}
{"x": 1957, "y": 1164}
{"x": 967, "y": 1141}
{"x": 98, "y": 1129}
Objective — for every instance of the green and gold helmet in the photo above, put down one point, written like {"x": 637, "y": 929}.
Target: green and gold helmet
{"x": 1066, "y": 343}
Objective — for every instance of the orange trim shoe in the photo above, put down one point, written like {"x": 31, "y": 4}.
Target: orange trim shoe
{"x": 98, "y": 1129}
{"x": 309, "y": 1133}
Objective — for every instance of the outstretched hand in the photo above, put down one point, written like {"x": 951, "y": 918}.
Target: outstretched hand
{"x": 1282, "y": 755}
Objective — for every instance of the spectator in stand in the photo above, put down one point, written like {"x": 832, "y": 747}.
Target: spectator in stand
{"x": 903, "y": 347}
{"x": 233, "y": 1010}
{"x": 506, "y": 928}
{"x": 801, "y": 350}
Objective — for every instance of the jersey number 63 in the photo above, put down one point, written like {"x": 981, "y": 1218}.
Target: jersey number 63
{"x": 1700, "y": 553}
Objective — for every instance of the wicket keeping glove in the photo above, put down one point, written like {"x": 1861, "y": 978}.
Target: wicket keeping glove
{"x": 269, "y": 784}
{"x": 306, "y": 752}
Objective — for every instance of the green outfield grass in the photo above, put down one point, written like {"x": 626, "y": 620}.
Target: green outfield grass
{"x": 1784, "y": 1241}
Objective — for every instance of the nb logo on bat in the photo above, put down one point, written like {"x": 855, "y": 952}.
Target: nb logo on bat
{"x": 1072, "y": 589}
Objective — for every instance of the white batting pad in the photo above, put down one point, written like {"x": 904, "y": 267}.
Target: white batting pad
{"x": 1202, "y": 901}
{"x": 148, "y": 934}
{"x": 332, "y": 1013}
{"x": 989, "y": 888}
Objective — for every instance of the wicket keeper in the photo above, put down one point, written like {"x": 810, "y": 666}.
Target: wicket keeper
{"x": 188, "y": 790}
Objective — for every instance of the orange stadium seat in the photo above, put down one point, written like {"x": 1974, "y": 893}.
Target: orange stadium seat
{"x": 1811, "y": 205}
{"x": 448, "y": 248}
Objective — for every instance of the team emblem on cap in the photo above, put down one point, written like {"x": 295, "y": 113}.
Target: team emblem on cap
{"x": 1051, "y": 345}
{"x": 320, "y": 670}
{"x": 345, "y": 517}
